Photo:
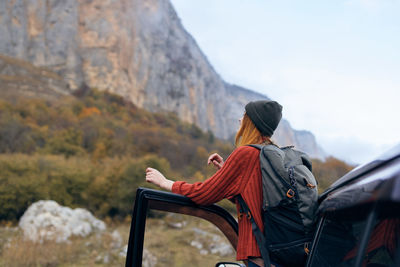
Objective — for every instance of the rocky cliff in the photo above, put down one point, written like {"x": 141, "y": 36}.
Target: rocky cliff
{"x": 135, "y": 48}
{"x": 20, "y": 77}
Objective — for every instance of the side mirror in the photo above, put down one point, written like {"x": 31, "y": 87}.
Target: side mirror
{"x": 229, "y": 264}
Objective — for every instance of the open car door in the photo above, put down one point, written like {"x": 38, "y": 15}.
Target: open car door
{"x": 148, "y": 199}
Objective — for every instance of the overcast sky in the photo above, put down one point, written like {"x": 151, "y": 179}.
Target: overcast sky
{"x": 333, "y": 65}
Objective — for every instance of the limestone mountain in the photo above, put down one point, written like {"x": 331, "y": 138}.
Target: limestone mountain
{"x": 18, "y": 77}
{"x": 137, "y": 49}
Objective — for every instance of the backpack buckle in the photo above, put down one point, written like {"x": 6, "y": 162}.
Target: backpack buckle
{"x": 310, "y": 185}
{"x": 306, "y": 249}
{"x": 248, "y": 215}
{"x": 290, "y": 193}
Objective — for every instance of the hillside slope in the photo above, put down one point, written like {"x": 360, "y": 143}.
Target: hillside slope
{"x": 136, "y": 49}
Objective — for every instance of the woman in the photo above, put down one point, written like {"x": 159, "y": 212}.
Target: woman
{"x": 239, "y": 174}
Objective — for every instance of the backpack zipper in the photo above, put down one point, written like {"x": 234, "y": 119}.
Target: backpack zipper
{"x": 290, "y": 244}
{"x": 293, "y": 181}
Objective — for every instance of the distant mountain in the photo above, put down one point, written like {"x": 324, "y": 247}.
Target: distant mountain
{"x": 137, "y": 49}
{"x": 284, "y": 134}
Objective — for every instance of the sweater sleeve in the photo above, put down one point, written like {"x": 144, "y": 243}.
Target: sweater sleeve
{"x": 227, "y": 182}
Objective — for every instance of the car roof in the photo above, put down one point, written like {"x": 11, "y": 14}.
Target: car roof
{"x": 365, "y": 171}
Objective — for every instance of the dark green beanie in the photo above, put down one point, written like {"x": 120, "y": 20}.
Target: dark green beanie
{"x": 265, "y": 115}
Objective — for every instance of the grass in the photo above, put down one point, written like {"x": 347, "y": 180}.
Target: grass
{"x": 171, "y": 246}
{"x": 20, "y": 252}
{"x": 95, "y": 250}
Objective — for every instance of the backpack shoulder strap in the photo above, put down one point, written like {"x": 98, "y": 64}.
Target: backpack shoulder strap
{"x": 259, "y": 147}
{"x": 256, "y": 231}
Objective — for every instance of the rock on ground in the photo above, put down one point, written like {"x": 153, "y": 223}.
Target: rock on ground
{"x": 47, "y": 220}
{"x": 149, "y": 260}
{"x": 208, "y": 243}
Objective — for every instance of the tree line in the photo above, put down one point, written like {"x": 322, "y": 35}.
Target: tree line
{"x": 91, "y": 150}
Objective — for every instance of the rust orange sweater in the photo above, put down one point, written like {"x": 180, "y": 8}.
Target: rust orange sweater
{"x": 240, "y": 174}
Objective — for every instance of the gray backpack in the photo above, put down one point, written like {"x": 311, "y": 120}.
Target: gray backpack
{"x": 290, "y": 198}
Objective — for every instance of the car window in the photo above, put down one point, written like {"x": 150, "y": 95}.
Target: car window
{"x": 340, "y": 240}
{"x": 180, "y": 240}
{"x": 383, "y": 243}
{"x": 337, "y": 239}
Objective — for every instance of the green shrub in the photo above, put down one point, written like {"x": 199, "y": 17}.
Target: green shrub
{"x": 92, "y": 151}
{"x": 107, "y": 188}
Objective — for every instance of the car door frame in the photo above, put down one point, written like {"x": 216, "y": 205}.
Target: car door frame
{"x": 164, "y": 201}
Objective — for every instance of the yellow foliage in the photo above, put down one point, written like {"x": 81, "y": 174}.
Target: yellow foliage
{"x": 88, "y": 112}
{"x": 103, "y": 146}
{"x": 100, "y": 151}
{"x": 328, "y": 171}
{"x": 198, "y": 176}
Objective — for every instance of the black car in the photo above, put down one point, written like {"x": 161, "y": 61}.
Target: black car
{"x": 358, "y": 218}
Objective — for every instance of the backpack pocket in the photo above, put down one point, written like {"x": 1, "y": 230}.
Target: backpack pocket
{"x": 283, "y": 225}
{"x": 290, "y": 254}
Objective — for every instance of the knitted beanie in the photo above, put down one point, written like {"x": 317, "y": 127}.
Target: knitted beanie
{"x": 265, "y": 115}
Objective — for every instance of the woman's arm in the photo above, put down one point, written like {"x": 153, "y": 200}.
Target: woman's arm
{"x": 155, "y": 177}
{"x": 216, "y": 160}
{"x": 227, "y": 182}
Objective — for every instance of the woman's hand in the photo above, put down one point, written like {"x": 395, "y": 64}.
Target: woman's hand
{"x": 155, "y": 177}
{"x": 216, "y": 160}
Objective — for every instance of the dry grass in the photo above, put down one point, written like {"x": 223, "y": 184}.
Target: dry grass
{"x": 95, "y": 250}
{"x": 171, "y": 246}
{"x": 20, "y": 252}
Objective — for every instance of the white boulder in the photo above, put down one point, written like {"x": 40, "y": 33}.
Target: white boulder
{"x": 149, "y": 260}
{"x": 47, "y": 220}
{"x": 208, "y": 243}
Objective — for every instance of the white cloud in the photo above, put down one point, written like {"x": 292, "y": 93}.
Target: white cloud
{"x": 354, "y": 118}
{"x": 354, "y": 151}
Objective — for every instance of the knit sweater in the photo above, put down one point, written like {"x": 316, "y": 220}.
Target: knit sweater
{"x": 240, "y": 174}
